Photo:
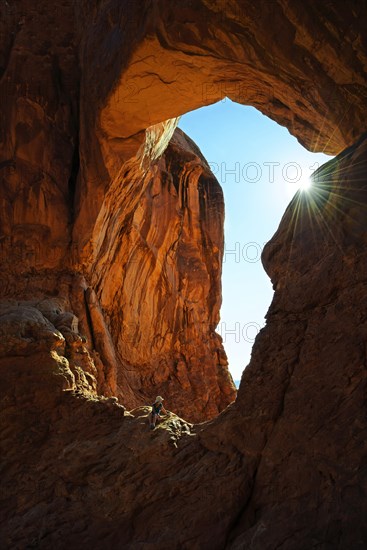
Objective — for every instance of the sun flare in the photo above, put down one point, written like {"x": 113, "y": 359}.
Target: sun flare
{"x": 304, "y": 184}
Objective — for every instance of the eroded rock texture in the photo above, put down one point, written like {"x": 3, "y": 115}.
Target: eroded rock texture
{"x": 111, "y": 244}
{"x": 157, "y": 274}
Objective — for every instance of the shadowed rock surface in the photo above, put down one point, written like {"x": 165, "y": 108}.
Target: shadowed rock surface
{"x": 111, "y": 240}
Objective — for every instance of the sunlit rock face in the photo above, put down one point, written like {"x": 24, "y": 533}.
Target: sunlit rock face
{"x": 157, "y": 268}
{"x": 183, "y": 56}
{"x": 111, "y": 244}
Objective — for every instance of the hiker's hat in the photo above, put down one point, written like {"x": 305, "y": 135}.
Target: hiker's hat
{"x": 159, "y": 399}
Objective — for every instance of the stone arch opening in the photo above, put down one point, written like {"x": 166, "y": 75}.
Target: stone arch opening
{"x": 172, "y": 66}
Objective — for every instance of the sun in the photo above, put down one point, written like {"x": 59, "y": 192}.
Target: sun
{"x": 304, "y": 184}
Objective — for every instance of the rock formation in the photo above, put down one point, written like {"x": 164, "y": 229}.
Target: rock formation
{"x": 144, "y": 281}
{"x": 157, "y": 270}
{"x": 111, "y": 239}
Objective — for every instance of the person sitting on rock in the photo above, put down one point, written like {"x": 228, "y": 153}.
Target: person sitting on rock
{"x": 157, "y": 409}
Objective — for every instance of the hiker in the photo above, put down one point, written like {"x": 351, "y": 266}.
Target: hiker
{"x": 157, "y": 409}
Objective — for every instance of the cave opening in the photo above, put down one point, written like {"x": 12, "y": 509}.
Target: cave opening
{"x": 260, "y": 166}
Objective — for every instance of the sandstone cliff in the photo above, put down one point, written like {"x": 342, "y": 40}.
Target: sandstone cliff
{"x": 111, "y": 244}
{"x": 156, "y": 269}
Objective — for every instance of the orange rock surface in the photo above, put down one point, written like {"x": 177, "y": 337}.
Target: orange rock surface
{"x": 111, "y": 241}
{"x": 157, "y": 269}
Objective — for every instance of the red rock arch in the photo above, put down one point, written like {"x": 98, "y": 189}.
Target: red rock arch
{"x": 284, "y": 465}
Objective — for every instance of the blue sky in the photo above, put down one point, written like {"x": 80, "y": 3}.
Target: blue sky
{"x": 259, "y": 166}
